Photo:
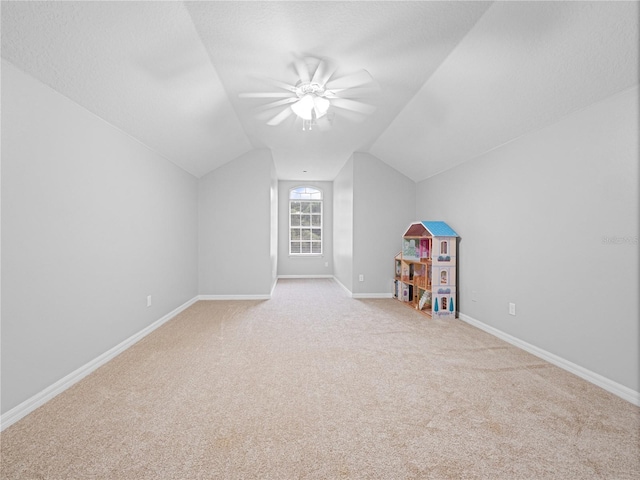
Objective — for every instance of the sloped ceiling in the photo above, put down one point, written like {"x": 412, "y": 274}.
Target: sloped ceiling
{"x": 456, "y": 78}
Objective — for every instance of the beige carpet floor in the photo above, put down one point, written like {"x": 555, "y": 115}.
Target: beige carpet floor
{"x": 315, "y": 385}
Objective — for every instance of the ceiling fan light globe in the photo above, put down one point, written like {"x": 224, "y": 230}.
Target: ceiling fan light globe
{"x": 304, "y": 107}
{"x": 321, "y": 106}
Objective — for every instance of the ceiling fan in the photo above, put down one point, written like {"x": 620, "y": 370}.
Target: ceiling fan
{"x": 316, "y": 91}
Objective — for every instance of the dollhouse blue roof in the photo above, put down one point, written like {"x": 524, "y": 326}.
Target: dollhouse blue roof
{"x": 439, "y": 229}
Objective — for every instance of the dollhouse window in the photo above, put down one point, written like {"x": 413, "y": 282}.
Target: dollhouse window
{"x": 443, "y": 248}
{"x": 444, "y": 303}
{"x": 305, "y": 221}
{"x": 443, "y": 277}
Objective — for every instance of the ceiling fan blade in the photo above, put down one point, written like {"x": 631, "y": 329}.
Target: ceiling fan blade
{"x": 283, "y": 85}
{"x": 323, "y": 73}
{"x": 302, "y": 69}
{"x": 281, "y": 117}
{"x": 358, "y": 92}
{"x": 265, "y": 95}
{"x": 353, "y": 105}
{"x": 349, "y": 81}
{"x": 278, "y": 103}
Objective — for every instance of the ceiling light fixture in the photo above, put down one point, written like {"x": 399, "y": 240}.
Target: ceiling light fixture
{"x": 318, "y": 89}
{"x": 312, "y": 104}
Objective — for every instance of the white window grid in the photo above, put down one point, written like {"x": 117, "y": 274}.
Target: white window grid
{"x": 305, "y": 221}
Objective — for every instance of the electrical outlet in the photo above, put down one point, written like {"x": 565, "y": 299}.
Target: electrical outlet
{"x": 326, "y": 264}
{"x": 148, "y": 300}
{"x": 361, "y": 278}
{"x": 512, "y": 309}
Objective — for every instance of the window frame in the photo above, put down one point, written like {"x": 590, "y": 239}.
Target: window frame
{"x": 306, "y": 194}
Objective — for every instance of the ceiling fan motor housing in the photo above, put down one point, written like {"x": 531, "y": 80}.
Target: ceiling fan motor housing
{"x": 306, "y": 88}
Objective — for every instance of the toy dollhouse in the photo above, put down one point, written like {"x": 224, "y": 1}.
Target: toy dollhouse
{"x": 425, "y": 269}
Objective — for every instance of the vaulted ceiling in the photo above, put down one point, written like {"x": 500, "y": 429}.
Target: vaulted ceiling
{"x": 456, "y": 78}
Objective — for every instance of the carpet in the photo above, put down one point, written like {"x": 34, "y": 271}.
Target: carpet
{"x": 312, "y": 384}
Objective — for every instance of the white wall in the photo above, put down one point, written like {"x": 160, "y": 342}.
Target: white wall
{"x": 343, "y": 225}
{"x": 274, "y": 221}
{"x": 373, "y": 205}
{"x": 303, "y": 265}
{"x": 92, "y": 223}
{"x": 550, "y": 223}
{"x": 383, "y": 208}
{"x": 235, "y": 227}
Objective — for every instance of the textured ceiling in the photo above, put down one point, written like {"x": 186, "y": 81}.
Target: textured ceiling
{"x": 457, "y": 78}
{"x": 522, "y": 66}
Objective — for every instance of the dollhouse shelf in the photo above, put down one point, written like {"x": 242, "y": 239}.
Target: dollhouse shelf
{"x": 425, "y": 269}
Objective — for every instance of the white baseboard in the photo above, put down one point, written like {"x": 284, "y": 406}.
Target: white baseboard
{"x": 362, "y": 295}
{"x": 12, "y": 416}
{"x": 609, "y": 385}
{"x": 242, "y": 297}
{"x": 372, "y": 295}
{"x": 305, "y": 276}
{"x": 235, "y": 297}
{"x": 349, "y": 294}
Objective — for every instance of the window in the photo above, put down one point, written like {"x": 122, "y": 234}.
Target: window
{"x": 305, "y": 221}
